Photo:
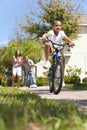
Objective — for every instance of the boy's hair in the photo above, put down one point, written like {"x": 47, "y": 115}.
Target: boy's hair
{"x": 56, "y": 22}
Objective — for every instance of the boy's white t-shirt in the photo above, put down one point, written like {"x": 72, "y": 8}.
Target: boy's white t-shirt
{"x": 57, "y": 39}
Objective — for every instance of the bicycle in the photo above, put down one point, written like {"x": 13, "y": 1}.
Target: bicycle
{"x": 56, "y": 71}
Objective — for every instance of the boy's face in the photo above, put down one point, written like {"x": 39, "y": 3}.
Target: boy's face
{"x": 57, "y": 26}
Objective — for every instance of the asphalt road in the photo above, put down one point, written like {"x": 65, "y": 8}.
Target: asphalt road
{"x": 65, "y": 95}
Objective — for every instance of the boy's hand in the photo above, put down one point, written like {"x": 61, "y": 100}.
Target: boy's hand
{"x": 72, "y": 44}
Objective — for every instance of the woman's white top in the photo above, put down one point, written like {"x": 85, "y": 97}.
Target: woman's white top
{"x": 16, "y": 64}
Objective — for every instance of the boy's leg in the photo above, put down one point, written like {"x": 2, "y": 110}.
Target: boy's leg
{"x": 47, "y": 51}
{"x": 47, "y": 54}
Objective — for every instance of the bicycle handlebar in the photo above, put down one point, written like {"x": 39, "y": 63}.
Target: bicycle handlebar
{"x": 60, "y": 45}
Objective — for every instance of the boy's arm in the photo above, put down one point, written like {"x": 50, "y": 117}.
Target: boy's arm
{"x": 45, "y": 36}
{"x": 69, "y": 40}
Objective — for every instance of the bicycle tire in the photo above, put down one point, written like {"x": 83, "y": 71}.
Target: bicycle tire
{"x": 51, "y": 86}
{"x": 50, "y": 79}
{"x": 57, "y": 77}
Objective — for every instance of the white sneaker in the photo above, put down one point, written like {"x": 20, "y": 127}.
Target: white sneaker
{"x": 46, "y": 65}
{"x": 33, "y": 86}
{"x": 63, "y": 84}
{"x": 26, "y": 88}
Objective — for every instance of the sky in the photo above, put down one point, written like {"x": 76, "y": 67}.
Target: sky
{"x": 12, "y": 13}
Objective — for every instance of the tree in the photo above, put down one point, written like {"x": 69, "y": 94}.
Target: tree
{"x": 53, "y": 10}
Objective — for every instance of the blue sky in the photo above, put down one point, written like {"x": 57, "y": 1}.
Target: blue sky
{"x": 12, "y": 12}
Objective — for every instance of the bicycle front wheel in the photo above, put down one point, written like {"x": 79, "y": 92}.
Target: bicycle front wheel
{"x": 50, "y": 77}
{"x": 58, "y": 77}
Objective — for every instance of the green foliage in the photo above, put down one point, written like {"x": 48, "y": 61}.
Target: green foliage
{"x": 67, "y": 79}
{"x": 72, "y": 79}
{"x": 1, "y": 77}
{"x": 2, "y": 124}
{"x": 73, "y": 75}
{"x": 81, "y": 86}
{"x": 84, "y": 80}
{"x": 31, "y": 48}
{"x": 41, "y": 81}
{"x": 18, "y": 108}
{"x": 4, "y": 81}
{"x": 73, "y": 71}
{"x": 75, "y": 80}
{"x": 8, "y": 82}
{"x": 50, "y": 11}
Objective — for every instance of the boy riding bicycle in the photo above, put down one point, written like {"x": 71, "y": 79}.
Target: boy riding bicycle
{"x": 56, "y": 35}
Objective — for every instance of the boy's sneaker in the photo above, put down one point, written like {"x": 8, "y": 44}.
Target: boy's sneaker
{"x": 46, "y": 65}
{"x": 63, "y": 84}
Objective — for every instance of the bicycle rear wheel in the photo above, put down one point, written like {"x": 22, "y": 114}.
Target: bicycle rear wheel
{"x": 57, "y": 78}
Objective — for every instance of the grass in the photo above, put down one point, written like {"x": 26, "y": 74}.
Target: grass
{"x": 25, "y": 110}
{"x": 81, "y": 86}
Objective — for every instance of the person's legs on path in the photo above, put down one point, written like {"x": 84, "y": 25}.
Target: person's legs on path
{"x": 27, "y": 79}
{"x": 33, "y": 80}
{"x": 19, "y": 74}
{"x": 18, "y": 81}
{"x": 13, "y": 80}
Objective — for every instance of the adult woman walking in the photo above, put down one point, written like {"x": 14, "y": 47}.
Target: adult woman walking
{"x": 17, "y": 67}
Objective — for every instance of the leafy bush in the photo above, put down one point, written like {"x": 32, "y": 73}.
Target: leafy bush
{"x": 84, "y": 80}
{"x": 41, "y": 81}
{"x": 73, "y": 75}
{"x": 8, "y": 82}
{"x": 75, "y": 79}
{"x": 67, "y": 79}
{"x": 73, "y": 71}
{"x": 4, "y": 83}
{"x": 72, "y": 79}
{"x": 1, "y": 76}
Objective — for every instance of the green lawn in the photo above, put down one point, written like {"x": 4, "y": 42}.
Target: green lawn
{"x": 81, "y": 86}
{"x": 24, "y": 110}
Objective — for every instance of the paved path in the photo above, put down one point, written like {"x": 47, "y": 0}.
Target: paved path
{"x": 80, "y": 97}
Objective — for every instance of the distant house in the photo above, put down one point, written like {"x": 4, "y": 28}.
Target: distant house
{"x": 78, "y": 55}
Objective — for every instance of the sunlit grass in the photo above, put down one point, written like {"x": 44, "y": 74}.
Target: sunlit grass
{"x": 81, "y": 86}
{"x": 20, "y": 109}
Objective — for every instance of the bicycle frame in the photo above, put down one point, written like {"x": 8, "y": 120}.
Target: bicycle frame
{"x": 56, "y": 71}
